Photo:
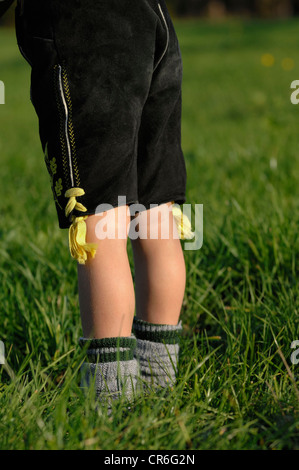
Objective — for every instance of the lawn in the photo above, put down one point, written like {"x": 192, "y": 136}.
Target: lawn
{"x": 237, "y": 386}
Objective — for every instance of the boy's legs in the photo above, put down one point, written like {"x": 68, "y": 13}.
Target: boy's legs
{"x": 159, "y": 270}
{"x": 106, "y": 290}
{"x": 160, "y": 279}
{"x": 107, "y": 304}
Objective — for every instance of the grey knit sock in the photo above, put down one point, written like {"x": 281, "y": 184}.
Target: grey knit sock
{"x": 157, "y": 351}
{"x": 110, "y": 366}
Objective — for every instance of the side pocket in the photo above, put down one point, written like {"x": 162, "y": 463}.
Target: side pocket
{"x": 164, "y": 22}
{"x": 67, "y": 138}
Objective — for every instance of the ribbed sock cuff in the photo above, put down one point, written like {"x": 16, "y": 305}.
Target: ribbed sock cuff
{"x": 109, "y": 349}
{"x": 111, "y": 366}
{"x": 168, "y": 334}
{"x": 157, "y": 351}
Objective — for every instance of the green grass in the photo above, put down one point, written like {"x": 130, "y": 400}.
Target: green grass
{"x": 237, "y": 386}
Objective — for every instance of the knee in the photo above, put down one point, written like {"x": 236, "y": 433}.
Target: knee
{"x": 156, "y": 223}
{"x": 109, "y": 225}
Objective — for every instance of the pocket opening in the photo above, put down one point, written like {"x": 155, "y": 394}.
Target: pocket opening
{"x": 167, "y": 36}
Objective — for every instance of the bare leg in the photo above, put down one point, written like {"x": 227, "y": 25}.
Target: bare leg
{"x": 160, "y": 275}
{"x": 106, "y": 291}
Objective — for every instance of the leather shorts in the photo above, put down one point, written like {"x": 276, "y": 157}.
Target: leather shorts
{"x": 106, "y": 80}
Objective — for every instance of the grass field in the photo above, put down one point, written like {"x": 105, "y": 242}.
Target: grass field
{"x": 237, "y": 387}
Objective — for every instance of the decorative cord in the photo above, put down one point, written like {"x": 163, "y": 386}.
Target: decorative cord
{"x": 79, "y": 249}
{"x": 182, "y": 222}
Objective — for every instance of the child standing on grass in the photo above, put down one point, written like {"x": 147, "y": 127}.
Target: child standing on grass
{"x": 106, "y": 86}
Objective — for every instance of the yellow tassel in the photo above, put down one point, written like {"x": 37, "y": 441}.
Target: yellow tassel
{"x": 73, "y": 203}
{"x": 77, "y": 232}
{"x": 77, "y": 241}
{"x": 182, "y": 222}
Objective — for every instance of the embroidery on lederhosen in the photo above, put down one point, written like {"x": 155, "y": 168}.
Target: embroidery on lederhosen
{"x": 62, "y": 129}
{"x": 70, "y": 187}
{"x": 56, "y": 183}
{"x": 64, "y": 90}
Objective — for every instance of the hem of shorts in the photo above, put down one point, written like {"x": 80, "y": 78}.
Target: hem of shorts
{"x": 178, "y": 198}
{"x": 93, "y": 211}
{"x": 113, "y": 206}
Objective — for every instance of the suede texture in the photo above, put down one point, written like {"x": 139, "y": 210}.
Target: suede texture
{"x": 106, "y": 86}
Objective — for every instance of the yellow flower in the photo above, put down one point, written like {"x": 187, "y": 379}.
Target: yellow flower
{"x": 267, "y": 60}
{"x": 288, "y": 63}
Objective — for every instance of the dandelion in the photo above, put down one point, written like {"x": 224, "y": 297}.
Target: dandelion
{"x": 288, "y": 63}
{"x": 267, "y": 60}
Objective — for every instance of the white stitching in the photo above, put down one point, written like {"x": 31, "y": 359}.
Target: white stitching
{"x": 167, "y": 41}
{"x": 66, "y": 125}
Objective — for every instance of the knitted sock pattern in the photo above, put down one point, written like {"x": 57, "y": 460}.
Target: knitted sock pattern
{"x": 157, "y": 351}
{"x": 110, "y": 366}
